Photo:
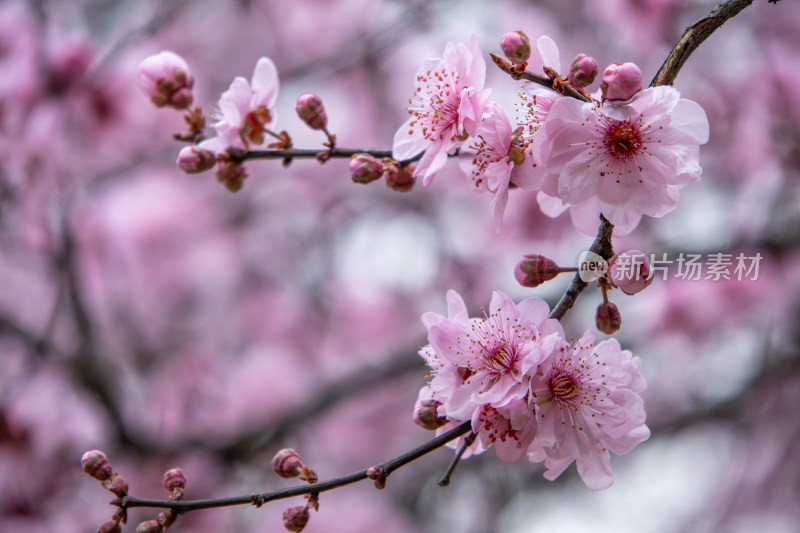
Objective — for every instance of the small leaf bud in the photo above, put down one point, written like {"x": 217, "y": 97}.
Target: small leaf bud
{"x": 109, "y": 526}
{"x": 287, "y": 463}
{"x": 96, "y": 464}
{"x": 311, "y": 111}
{"x": 608, "y": 318}
{"x": 295, "y": 518}
{"x": 621, "y": 82}
{"x": 535, "y": 269}
{"x": 516, "y": 47}
{"x": 365, "y": 169}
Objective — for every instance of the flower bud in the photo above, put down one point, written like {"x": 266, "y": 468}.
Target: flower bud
{"x": 96, "y": 464}
{"x": 295, "y": 518}
{"x": 149, "y": 526}
{"x": 365, "y": 169}
{"x": 426, "y": 414}
{"x": 582, "y": 71}
{"x": 287, "y": 463}
{"x": 166, "y": 79}
{"x": 311, "y": 111}
{"x": 535, "y": 269}
{"x": 400, "y": 177}
{"x": 516, "y": 47}
{"x": 631, "y": 271}
{"x": 621, "y": 82}
{"x": 194, "y": 160}
{"x": 174, "y": 478}
{"x": 109, "y": 526}
{"x": 231, "y": 175}
{"x": 378, "y": 476}
{"x": 608, "y": 318}
{"x": 117, "y": 485}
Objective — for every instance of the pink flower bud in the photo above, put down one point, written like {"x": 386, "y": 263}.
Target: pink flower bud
{"x": 96, "y": 464}
{"x": 295, "y": 518}
{"x": 426, "y": 415}
{"x": 364, "y": 168}
{"x": 174, "y": 478}
{"x": 149, "y": 526}
{"x": 516, "y": 47}
{"x": 194, "y": 160}
{"x": 109, "y": 526}
{"x": 631, "y": 272}
{"x": 400, "y": 177}
{"x": 535, "y": 269}
{"x": 166, "y": 79}
{"x": 582, "y": 71}
{"x": 608, "y": 318}
{"x": 311, "y": 111}
{"x": 621, "y": 81}
{"x": 287, "y": 463}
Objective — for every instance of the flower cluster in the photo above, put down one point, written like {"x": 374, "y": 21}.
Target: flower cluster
{"x": 622, "y": 152}
{"x": 530, "y": 392}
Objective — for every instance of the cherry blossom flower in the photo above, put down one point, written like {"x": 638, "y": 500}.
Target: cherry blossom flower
{"x": 447, "y": 106}
{"x": 510, "y": 428}
{"x": 484, "y": 360}
{"x": 588, "y": 404}
{"x": 246, "y": 110}
{"x": 623, "y": 160}
{"x": 491, "y": 158}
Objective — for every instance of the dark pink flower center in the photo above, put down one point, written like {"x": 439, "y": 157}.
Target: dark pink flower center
{"x": 622, "y": 139}
{"x": 437, "y": 97}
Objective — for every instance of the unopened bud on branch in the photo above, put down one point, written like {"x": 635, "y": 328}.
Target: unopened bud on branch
{"x": 96, "y": 464}
{"x": 400, "y": 177}
{"x": 516, "y": 47}
{"x": 621, "y": 82}
{"x": 608, "y": 318}
{"x": 365, "y": 169}
{"x": 174, "y": 478}
{"x": 582, "y": 71}
{"x": 149, "y": 526}
{"x": 295, "y": 518}
{"x": 535, "y": 269}
{"x": 109, "y": 526}
{"x": 311, "y": 111}
{"x": 166, "y": 79}
{"x": 426, "y": 414}
{"x": 194, "y": 160}
{"x": 287, "y": 463}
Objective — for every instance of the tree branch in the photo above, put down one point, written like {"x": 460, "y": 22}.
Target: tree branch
{"x": 258, "y": 499}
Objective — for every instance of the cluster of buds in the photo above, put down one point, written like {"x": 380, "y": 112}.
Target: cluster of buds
{"x": 174, "y": 481}
{"x": 96, "y": 464}
{"x": 365, "y": 168}
{"x": 288, "y": 464}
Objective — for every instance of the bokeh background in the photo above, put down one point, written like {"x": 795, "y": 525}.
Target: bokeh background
{"x": 160, "y": 318}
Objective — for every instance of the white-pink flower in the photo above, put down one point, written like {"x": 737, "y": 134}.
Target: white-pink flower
{"x": 484, "y": 360}
{"x": 588, "y": 405}
{"x": 246, "y": 110}
{"x": 623, "y": 160}
{"x": 447, "y": 106}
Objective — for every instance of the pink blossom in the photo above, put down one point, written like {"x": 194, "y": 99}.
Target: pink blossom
{"x": 621, "y": 82}
{"x": 510, "y": 428}
{"x": 623, "y": 160}
{"x": 489, "y": 158}
{"x": 588, "y": 404}
{"x": 484, "y": 360}
{"x": 246, "y": 110}
{"x": 447, "y": 106}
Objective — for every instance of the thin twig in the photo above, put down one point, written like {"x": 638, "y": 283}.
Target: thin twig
{"x": 445, "y": 480}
